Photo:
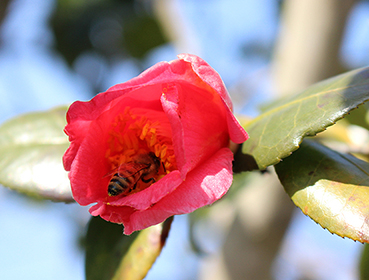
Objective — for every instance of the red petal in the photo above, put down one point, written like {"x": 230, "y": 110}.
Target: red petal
{"x": 208, "y": 75}
{"x": 146, "y": 198}
{"x": 203, "y": 186}
{"x": 207, "y": 183}
{"x": 199, "y": 109}
{"x": 199, "y": 124}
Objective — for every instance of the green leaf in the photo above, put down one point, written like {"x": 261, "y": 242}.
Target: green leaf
{"x": 364, "y": 263}
{"x": 143, "y": 252}
{"x": 105, "y": 246}
{"x": 329, "y": 187}
{"x": 112, "y": 255}
{"x": 279, "y": 131}
{"x": 31, "y": 150}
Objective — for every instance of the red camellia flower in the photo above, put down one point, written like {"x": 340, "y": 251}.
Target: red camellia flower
{"x": 154, "y": 146}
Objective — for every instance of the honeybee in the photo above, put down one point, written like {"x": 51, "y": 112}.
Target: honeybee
{"x": 142, "y": 168}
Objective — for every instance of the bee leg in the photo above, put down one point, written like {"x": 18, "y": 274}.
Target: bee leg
{"x": 162, "y": 163}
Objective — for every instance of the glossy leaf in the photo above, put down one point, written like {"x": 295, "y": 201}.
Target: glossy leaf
{"x": 31, "y": 150}
{"x": 112, "y": 255}
{"x": 329, "y": 187}
{"x": 279, "y": 131}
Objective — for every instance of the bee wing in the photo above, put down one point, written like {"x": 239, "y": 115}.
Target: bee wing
{"x": 127, "y": 169}
{"x": 131, "y": 168}
{"x": 112, "y": 172}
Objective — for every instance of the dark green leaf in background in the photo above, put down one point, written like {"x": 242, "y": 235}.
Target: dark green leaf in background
{"x": 279, "y": 131}
{"x": 143, "y": 252}
{"x": 110, "y": 28}
{"x": 329, "y": 187}
{"x": 364, "y": 263}
{"x": 105, "y": 246}
{"x": 112, "y": 255}
{"x": 31, "y": 150}
{"x": 359, "y": 116}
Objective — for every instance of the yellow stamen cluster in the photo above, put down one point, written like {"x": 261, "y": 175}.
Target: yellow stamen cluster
{"x": 131, "y": 134}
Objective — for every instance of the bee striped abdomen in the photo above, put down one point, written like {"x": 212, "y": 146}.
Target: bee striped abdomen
{"x": 119, "y": 185}
{"x": 139, "y": 171}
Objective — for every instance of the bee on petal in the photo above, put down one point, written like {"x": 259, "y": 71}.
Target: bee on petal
{"x": 128, "y": 176}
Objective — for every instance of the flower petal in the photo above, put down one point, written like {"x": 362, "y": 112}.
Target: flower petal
{"x": 199, "y": 124}
{"x": 212, "y": 78}
{"x": 208, "y": 75}
{"x": 236, "y": 132}
{"x": 207, "y": 183}
{"x": 88, "y": 178}
{"x": 79, "y": 117}
{"x": 203, "y": 186}
{"x": 146, "y": 198}
{"x": 111, "y": 213}
{"x": 192, "y": 110}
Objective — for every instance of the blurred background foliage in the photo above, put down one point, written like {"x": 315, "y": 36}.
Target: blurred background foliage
{"x": 108, "y": 29}
{"x": 249, "y": 232}
{"x": 111, "y": 28}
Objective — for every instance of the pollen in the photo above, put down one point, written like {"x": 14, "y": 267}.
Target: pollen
{"x": 140, "y": 131}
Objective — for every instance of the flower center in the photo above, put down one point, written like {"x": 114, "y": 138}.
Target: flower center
{"x": 140, "y": 150}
